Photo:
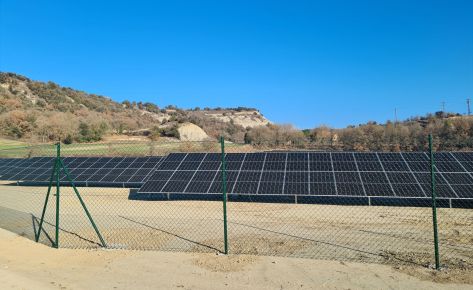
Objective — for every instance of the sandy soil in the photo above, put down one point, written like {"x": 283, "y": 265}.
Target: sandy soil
{"x": 398, "y": 237}
{"x": 27, "y": 265}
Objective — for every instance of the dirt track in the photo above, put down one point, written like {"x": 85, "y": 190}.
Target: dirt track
{"x": 392, "y": 235}
{"x": 26, "y": 265}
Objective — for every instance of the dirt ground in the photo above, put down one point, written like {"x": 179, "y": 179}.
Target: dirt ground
{"x": 28, "y": 265}
{"x": 400, "y": 237}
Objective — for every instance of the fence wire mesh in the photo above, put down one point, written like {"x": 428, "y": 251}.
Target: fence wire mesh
{"x": 260, "y": 224}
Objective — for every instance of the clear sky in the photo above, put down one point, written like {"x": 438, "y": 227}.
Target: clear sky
{"x": 302, "y": 62}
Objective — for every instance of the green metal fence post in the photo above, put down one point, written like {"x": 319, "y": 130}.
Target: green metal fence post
{"x": 58, "y": 177}
{"x": 224, "y": 193}
{"x": 434, "y": 204}
{"x": 40, "y": 228}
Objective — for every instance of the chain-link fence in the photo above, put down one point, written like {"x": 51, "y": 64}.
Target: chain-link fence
{"x": 370, "y": 207}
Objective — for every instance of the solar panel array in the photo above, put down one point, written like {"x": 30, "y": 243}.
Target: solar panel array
{"x": 333, "y": 174}
{"x": 86, "y": 171}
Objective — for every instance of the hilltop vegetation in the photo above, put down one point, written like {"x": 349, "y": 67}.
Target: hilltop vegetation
{"x": 450, "y": 131}
{"x": 42, "y": 112}
{"x": 47, "y": 112}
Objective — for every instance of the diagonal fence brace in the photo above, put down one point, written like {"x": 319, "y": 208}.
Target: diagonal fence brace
{"x": 89, "y": 216}
{"x": 55, "y": 175}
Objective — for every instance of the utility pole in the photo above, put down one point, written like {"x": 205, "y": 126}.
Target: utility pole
{"x": 443, "y": 107}
{"x": 468, "y": 104}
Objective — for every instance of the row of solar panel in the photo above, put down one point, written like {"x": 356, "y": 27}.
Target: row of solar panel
{"x": 315, "y": 177}
{"x": 320, "y": 166}
{"x": 303, "y": 162}
{"x": 325, "y": 156}
{"x": 199, "y": 173}
{"x": 90, "y": 170}
{"x": 82, "y": 162}
{"x": 370, "y": 185}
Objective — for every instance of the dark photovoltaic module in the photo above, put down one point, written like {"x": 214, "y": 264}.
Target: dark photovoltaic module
{"x": 310, "y": 177}
{"x": 86, "y": 171}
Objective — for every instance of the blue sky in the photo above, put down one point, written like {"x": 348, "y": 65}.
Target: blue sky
{"x": 302, "y": 62}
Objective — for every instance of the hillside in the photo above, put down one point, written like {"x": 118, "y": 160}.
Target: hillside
{"x": 43, "y": 112}
{"x": 33, "y": 112}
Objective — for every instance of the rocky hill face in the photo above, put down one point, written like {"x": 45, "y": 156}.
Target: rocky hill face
{"x": 247, "y": 118}
{"x": 44, "y": 112}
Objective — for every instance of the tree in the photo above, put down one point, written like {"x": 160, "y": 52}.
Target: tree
{"x": 126, "y": 104}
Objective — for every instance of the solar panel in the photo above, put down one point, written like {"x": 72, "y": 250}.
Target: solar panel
{"x": 347, "y": 177}
{"x": 350, "y": 189}
{"x": 407, "y": 189}
{"x": 443, "y": 156}
{"x": 342, "y": 156}
{"x": 378, "y": 189}
{"x": 320, "y": 166}
{"x": 296, "y": 188}
{"x": 463, "y": 156}
{"x": 320, "y": 157}
{"x": 198, "y": 187}
{"x": 401, "y": 177}
{"x": 297, "y": 166}
{"x": 419, "y": 166}
{"x": 365, "y": 157}
{"x": 270, "y": 188}
{"x": 297, "y": 157}
{"x": 369, "y": 166}
{"x": 244, "y": 187}
{"x": 249, "y": 166}
{"x": 394, "y": 166}
{"x": 321, "y": 177}
{"x": 274, "y": 166}
{"x": 276, "y": 157}
{"x": 458, "y": 178}
{"x": 322, "y": 189}
{"x": 449, "y": 166}
{"x": 334, "y": 174}
{"x": 390, "y": 157}
{"x": 461, "y": 190}
{"x": 344, "y": 166}
{"x": 86, "y": 171}
{"x": 374, "y": 177}
{"x": 414, "y": 156}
